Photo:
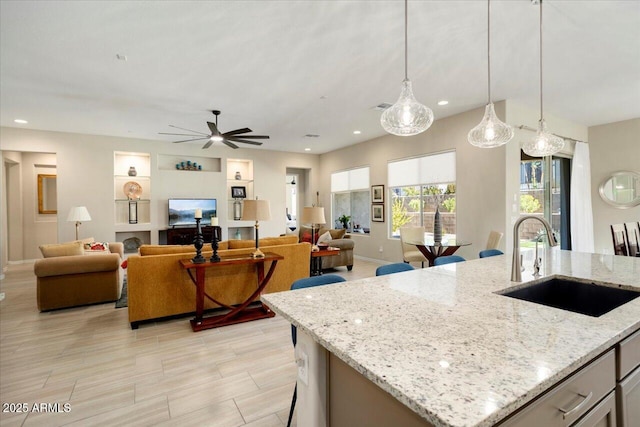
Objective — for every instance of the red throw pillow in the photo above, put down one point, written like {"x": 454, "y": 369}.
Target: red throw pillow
{"x": 124, "y": 263}
{"x": 306, "y": 237}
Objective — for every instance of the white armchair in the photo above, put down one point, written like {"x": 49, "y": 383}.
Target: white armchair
{"x": 410, "y": 253}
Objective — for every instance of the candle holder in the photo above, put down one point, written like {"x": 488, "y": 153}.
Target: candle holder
{"x": 217, "y": 236}
{"x": 198, "y": 242}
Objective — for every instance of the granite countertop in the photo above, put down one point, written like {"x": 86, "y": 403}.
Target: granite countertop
{"x": 442, "y": 342}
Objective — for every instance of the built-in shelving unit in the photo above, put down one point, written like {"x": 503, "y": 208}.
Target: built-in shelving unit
{"x": 169, "y": 162}
{"x": 122, "y": 164}
{"x": 239, "y": 229}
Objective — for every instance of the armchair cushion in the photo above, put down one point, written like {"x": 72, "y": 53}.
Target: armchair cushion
{"x": 61, "y": 249}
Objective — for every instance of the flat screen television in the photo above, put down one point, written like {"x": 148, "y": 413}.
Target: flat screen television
{"x": 182, "y": 211}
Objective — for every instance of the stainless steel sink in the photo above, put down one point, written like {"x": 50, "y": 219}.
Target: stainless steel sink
{"x": 585, "y": 298}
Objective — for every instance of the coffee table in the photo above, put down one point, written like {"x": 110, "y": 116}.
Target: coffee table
{"x": 316, "y": 259}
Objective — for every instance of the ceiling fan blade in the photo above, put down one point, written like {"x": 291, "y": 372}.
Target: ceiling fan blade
{"x": 208, "y": 144}
{"x": 244, "y": 141}
{"x": 194, "y": 139}
{"x": 255, "y": 136}
{"x": 229, "y": 144}
{"x": 178, "y": 134}
{"x": 213, "y": 128}
{"x": 194, "y": 131}
{"x": 237, "y": 131}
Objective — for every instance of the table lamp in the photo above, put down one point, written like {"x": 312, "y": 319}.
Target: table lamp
{"x": 256, "y": 210}
{"x": 78, "y": 214}
{"x": 313, "y": 215}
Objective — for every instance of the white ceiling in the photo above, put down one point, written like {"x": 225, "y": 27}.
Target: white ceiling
{"x": 291, "y": 68}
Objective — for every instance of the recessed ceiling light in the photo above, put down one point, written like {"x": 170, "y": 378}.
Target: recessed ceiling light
{"x": 443, "y": 102}
{"x": 312, "y": 135}
{"x": 356, "y": 132}
{"x": 307, "y": 149}
{"x": 21, "y": 121}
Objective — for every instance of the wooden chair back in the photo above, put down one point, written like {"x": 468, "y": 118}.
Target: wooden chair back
{"x": 619, "y": 236}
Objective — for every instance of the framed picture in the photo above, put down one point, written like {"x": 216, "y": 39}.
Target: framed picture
{"x": 377, "y": 194}
{"x": 377, "y": 213}
{"x": 239, "y": 192}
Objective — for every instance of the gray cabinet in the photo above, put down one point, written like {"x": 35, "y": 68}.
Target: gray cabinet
{"x": 628, "y": 393}
{"x": 574, "y": 397}
{"x": 602, "y": 415}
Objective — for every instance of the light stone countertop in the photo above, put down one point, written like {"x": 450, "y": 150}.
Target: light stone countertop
{"x": 442, "y": 342}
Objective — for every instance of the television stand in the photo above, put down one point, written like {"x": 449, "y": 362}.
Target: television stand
{"x": 186, "y": 235}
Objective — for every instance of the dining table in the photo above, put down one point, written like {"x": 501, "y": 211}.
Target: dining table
{"x": 432, "y": 250}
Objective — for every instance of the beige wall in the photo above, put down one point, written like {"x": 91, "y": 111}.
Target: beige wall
{"x": 85, "y": 177}
{"x": 613, "y": 147}
{"x": 480, "y": 181}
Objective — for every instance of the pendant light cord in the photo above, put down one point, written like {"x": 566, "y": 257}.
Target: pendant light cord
{"x": 541, "y": 117}
{"x": 406, "y": 49}
{"x": 489, "y": 47}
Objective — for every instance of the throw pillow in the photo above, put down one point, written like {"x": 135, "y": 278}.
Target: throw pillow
{"x": 335, "y": 233}
{"x": 97, "y": 246}
{"x": 61, "y": 249}
{"x": 325, "y": 238}
{"x": 306, "y": 237}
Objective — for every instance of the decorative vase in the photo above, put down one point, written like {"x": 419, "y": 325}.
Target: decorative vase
{"x": 132, "y": 171}
{"x": 238, "y": 175}
{"x": 437, "y": 227}
{"x": 237, "y": 210}
{"x": 238, "y": 235}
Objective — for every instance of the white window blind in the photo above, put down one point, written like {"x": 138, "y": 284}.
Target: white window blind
{"x": 354, "y": 179}
{"x": 434, "y": 169}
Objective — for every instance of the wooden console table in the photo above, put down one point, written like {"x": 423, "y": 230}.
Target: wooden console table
{"x": 238, "y": 313}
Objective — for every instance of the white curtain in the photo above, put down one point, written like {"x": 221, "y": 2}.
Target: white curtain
{"x": 581, "y": 211}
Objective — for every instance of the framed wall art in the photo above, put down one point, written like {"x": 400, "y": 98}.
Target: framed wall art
{"x": 377, "y": 194}
{"x": 377, "y": 212}
{"x": 239, "y": 192}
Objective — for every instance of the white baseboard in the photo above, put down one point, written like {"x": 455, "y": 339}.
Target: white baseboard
{"x": 374, "y": 260}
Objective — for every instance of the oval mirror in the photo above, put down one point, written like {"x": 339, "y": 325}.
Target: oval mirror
{"x": 621, "y": 189}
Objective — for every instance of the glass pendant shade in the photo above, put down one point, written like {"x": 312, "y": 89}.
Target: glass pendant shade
{"x": 407, "y": 116}
{"x": 544, "y": 143}
{"x": 491, "y": 132}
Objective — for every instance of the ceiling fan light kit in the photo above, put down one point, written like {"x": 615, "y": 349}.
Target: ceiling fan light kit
{"x": 544, "y": 143}
{"x": 227, "y": 138}
{"x": 491, "y": 132}
{"x": 407, "y": 116}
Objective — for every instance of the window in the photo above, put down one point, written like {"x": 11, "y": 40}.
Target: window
{"x": 350, "y": 197}
{"x": 547, "y": 195}
{"x": 417, "y": 186}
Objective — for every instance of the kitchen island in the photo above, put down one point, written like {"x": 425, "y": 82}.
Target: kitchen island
{"x": 443, "y": 344}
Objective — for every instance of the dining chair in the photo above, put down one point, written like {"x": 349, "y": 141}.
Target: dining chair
{"x": 308, "y": 282}
{"x": 442, "y": 260}
{"x": 619, "y": 237}
{"x": 410, "y": 253}
{"x": 490, "y": 252}
{"x": 494, "y": 239}
{"x": 632, "y": 230}
{"x": 393, "y": 268}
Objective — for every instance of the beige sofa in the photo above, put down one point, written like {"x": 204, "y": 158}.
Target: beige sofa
{"x": 339, "y": 239}
{"x": 69, "y": 276}
{"x": 158, "y": 287}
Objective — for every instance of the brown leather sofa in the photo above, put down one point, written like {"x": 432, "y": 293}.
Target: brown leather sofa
{"x": 158, "y": 287}
{"x": 72, "y": 280}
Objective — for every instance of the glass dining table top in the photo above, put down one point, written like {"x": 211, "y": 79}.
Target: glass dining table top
{"x": 447, "y": 241}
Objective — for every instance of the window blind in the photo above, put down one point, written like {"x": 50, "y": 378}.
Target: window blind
{"x": 433, "y": 169}
{"x": 353, "y": 179}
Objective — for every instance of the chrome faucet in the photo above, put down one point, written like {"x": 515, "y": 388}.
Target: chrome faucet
{"x": 516, "y": 275}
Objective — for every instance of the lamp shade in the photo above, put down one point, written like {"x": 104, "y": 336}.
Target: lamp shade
{"x": 78, "y": 213}
{"x": 313, "y": 215}
{"x": 256, "y": 210}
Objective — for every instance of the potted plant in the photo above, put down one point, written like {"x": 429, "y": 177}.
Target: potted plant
{"x": 344, "y": 219}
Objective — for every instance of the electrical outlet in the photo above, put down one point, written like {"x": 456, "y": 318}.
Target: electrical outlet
{"x": 380, "y": 250}
{"x": 303, "y": 367}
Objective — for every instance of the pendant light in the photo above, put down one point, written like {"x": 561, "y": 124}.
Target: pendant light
{"x": 544, "y": 143}
{"x": 407, "y": 116}
{"x": 491, "y": 132}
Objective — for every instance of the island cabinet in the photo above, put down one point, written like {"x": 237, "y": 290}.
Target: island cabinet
{"x": 628, "y": 388}
{"x": 589, "y": 391}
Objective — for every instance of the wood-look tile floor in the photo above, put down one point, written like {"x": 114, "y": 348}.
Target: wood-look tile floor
{"x": 162, "y": 374}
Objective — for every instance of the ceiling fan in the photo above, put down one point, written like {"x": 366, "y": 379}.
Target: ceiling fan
{"x": 227, "y": 138}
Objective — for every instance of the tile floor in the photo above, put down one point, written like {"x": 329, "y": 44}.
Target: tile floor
{"x": 162, "y": 374}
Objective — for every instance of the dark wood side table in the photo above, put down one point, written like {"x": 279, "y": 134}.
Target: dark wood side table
{"x": 316, "y": 259}
{"x": 238, "y": 313}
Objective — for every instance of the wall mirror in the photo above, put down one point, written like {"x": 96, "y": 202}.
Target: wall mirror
{"x": 621, "y": 189}
{"x": 47, "y": 194}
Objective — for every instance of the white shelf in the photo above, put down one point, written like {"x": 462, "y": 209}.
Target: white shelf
{"x": 122, "y": 161}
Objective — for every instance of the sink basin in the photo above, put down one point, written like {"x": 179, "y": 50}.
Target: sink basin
{"x": 580, "y": 297}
